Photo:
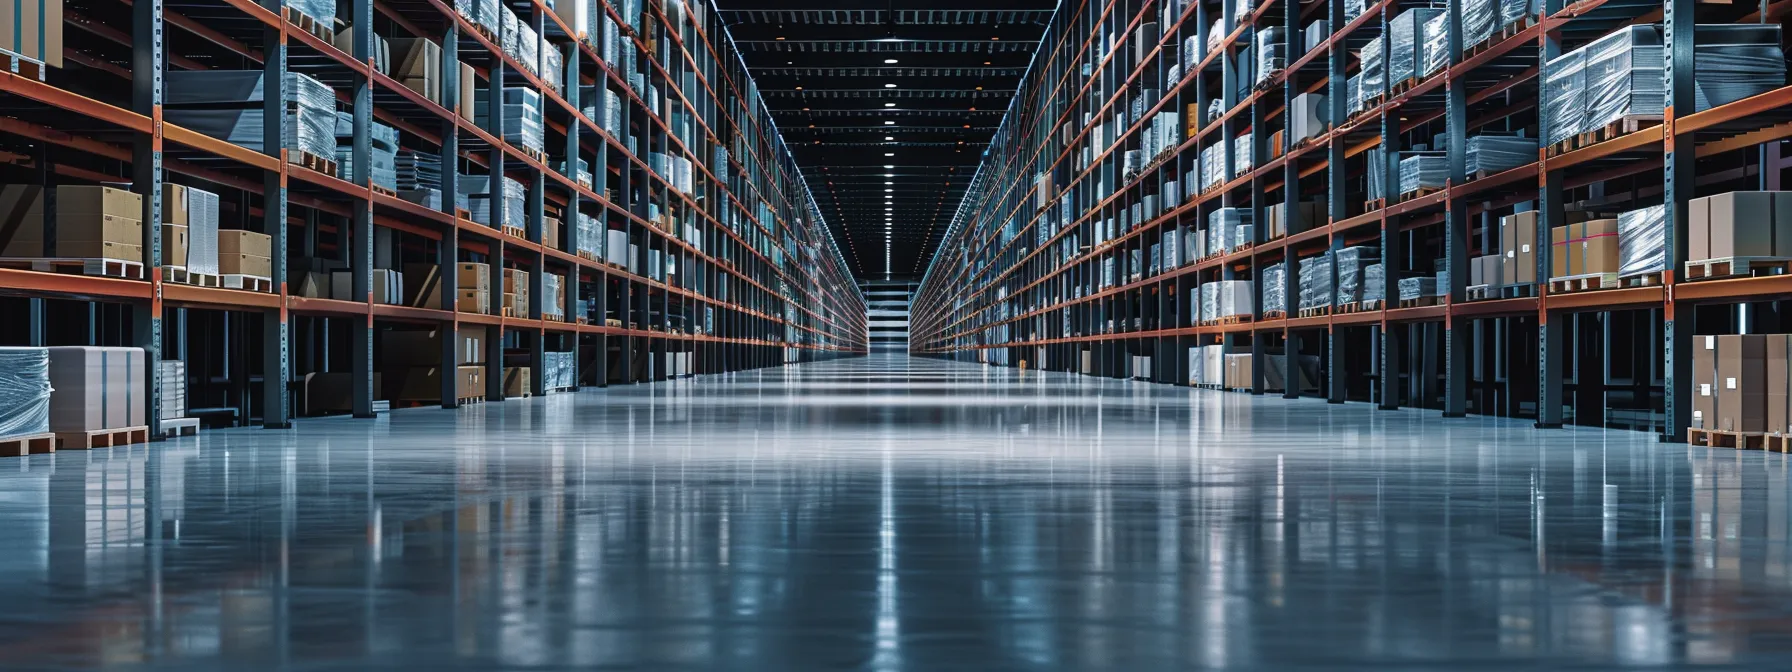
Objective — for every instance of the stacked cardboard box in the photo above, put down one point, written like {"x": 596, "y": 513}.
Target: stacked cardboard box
{"x": 245, "y": 253}
{"x": 24, "y": 391}
{"x": 474, "y": 281}
{"x": 90, "y": 223}
{"x": 517, "y": 381}
{"x": 190, "y": 216}
{"x": 516, "y": 292}
{"x": 33, "y": 29}
{"x": 96, "y": 388}
{"x": 1730, "y": 381}
{"x": 420, "y": 67}
{"x": 1518, "y": 234}
{"x": 1487, "y": 270}
{"x": 1239, "y": 371}
{"x": 1740, "y": 224}
{"x": 1585, "y": 248}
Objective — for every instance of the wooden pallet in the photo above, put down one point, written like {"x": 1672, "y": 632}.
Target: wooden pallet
{"x": 1730, "y": 267}
{"x": 322, "y": 29}
{"x": 478, "y": 399}
{"x": 1480, "y": 292}
{"x": 248, "y": 283}
{"x": 1778, "y": 443}
{"x": 101, "y": 438}
{"x": 517, "y": 231}
{"x": 112, "y": 268}
{"x": 533, "y": 153}
{"x": 1617, "y": 129}
{"x": 28, "y": 444}
{"x": 1652, "y": 279}
{"x": 21, "y": 65}
{"x": 1275, "y": 314}
{"x": 1229, "y": 319}
{"x": 552, "y": 317}
{"x": 180, "y": 427}
{"x": 1374, "y": 204}
{"x": 1583, "y": 283}
{"x": 382, "y": 190}
{"x": 507, "y": 311}
{"x": 1321, "y": 311}
{"x": 463, "y": 213}
{"x": 1421, "y": 192}
{"x": 1420, "y": 302}
{"x": 1404, "y": 86}
{"x": 1368, "y": 306}
{"x": 312, "y": 161}
{"x": 180, "y": 275}
{"x": 1717, "y": 438}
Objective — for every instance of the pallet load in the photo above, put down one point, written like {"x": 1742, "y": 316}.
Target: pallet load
{"x": 1487, "y": 270}
{"x": 1374, "y": 285}
{"x": 191, "y": 215}
{"x": 553, "y": 303}
{"x": 226, "y": 104}
{"x": 171, "y": 391}
{"x": 96, "y": 397}
{"x": 1352, "y": 289}
{"x": 1228, "y": 230}
{"x": 1275, "y": 289}
{"x": 516, "y": 293}
{"x": 1315, "y": 284}
{"x": 474, "y": 280}
{"x": 1491, "y": 153}
{"x": 1434, "y": 47}
{"x": 618, "y": 250}
{"x": 245, "y": 254}
{"x": 90, "y": 223}
{"x": 1309, "y": 117}
{"x": 1206, "y": 365}
{"x": 1372, "y": 76}
{"x": 25, "y": 401}
{"x": 518, "y": 382}
{"x": 512, "y": 212}
{"x": 1586, "y": 248}
{"x": 522, "y": 120}
{"x": 383, "y": 155}
{"x": 1421, "y": 171}
{"x": 558, "y": 370}
{"x": 1418, "y": 289}
{"x": 1238, "y": 372}
{"x": 1727, "y": 233}
{"x": 1564, "y": 96}
{"x": 1729, "y": 393}
{"x": 1226, "y": 299}
{"x": 1311, "y": 214}
{"x": 1642, "y": 241}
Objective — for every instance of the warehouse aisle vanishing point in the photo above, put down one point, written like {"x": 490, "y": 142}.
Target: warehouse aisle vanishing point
{"x": 896, "y": 514}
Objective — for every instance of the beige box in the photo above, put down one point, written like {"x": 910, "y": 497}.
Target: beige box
{"x": 550, "y": 233}
{"x": 474, "y": 275}
{"x": 94, "y": 200}
{"x": 466, "y": 91}
{"x": 174, "y": 245}
{"x": 1704, "y": 382}
{"x": 1777, "y": 392}
{"x": 174, "y": 204}
{"x": 419, "y": 66}
{"x": 1698, "y": 229}
{"x": 97, "y": 388}
{"x": 245, "y": 264}
{"x": 516, "y": 381}
{"x": 1518, "y": 235}
{"x": 1741, "y": 384}
{"x": 33, "y": 28}
{"x": 1596, "y": 247}
{"x": 87, "y": 226}
{"x": 474, "y": 301}
{"x": 1741, "y": 224}
{"x": 237, "y": 241}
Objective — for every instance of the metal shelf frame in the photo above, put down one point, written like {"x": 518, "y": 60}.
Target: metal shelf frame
{"x": 1000, "y": 292}
{"x": 761, "y": 284}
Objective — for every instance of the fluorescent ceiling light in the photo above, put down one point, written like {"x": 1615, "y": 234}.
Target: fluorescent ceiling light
{"x": 889, "y": 61}
{"x": 889, "y": 123}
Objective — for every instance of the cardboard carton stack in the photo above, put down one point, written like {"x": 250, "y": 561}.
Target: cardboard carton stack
{"x": 91, "y": 223}
{"x": 1584, "y": 249}
{"x": 516, "y": 292}
{"x": 1740, "y": 224}
{"x": 1731, "y": 376}
{"x": 245, "y": 253}
{"x": 1487, "y": 270}
{"x": 386, "y": 286}
{"x": 410, "y": 361}
{"x": 1239, "y": 371}
{"x": 1518, "y": 233}
{"x": 190, "y": 216}
{"x": 95, "y": 388}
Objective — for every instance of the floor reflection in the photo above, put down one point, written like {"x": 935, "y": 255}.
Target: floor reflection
{"x": 896, "y": 514}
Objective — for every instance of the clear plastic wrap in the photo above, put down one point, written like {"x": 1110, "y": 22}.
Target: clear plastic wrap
{"x": 24, "y": 391}
{"x": 1374, "y": 284}
{"x": 1478, "y": 19}
{"x": 1272, "y": 54}
{"x": 1172, "y": 247}
{"x": 1316, "y": 282}
{"x": 1315, "y": 34}
{"x": 1241, "y": 12}
{"x": 1417, "y": 288}
{"x": 1224, "y": 225}
{"x": 1215, "y": 34}
{"x": 1351, "y": 262}
{"x": 1236, "y": 298}
{"x": 202, "y": 231}
{"x": 1624, "y": 76}
{"x": 171, "y": 389}
{"x": 1642, "y": 241}
{"x": 1353, "y": 93}
{"x": 1374, "y": 75}
{"x": 1406, "y": 55}
{"x": 226, "y": 104}
{"x": 1434, "y": 48}
{"x": 1242, "y": 161}
{"x": 1210, "y": 301}
{"x": 322, "y": 10}
{"x": 552, "y": 302}
{"x": 552, "y": 70}
{"x": 558, "y": 370}
{"x": 1275, "y": 288}
{"x": 1353, "y": 9}
{"x": 1564, "y": 96}
{"x": 590, "y": 241}
{"x": 1735, "y": 62}
{"x": 1213, "y": 169}
{"x": 1494, "y": 153}
{"x": 1423, "y": 171}
{"x": 1375, "y": 164}
{"x": 1512, "y": 11}
{"x": 522, "y": 121}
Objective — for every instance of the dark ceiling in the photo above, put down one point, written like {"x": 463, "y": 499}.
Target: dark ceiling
{"x": 825, "y": 69}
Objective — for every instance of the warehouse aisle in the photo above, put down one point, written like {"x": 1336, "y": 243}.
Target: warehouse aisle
{"x": 895, "y": 514}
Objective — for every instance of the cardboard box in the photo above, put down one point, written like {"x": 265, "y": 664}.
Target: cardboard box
{"x": 1698, "y": 229}
{"x": 174, "y": 245}
{"x": 424, "y": 286}
{"x": 1307, "y": 117}
{"x": 76, "y": 249}
{"x": 1518, "y": 233}
{"x": 87, "y": 226}
{"x": 474, "y": 301}
{"x": 550, "y": 233}
{"x": 174, "y": 204}
{"x": 1704, "y": 382}
{"x": 1741, "y": 224}
{"x": 314, "y": 285}
{"x": 1777, "y": 392}
{"x": 1741, "y": 385}
{"x": 1596, "y": 248}
{"x": 245, "y": 264}
{"x": 237, "y": 241}
{"x": 516, "y": 381}
{"x": 96, "y": 388}
{"x": 34, "y": 29}
{"x": 466, "y": 92}
{"x": 95, "y": 200}
{"x": 419, "y": 66}
{"x": 474, "y": 275}
{"x": 1560, "y": 253}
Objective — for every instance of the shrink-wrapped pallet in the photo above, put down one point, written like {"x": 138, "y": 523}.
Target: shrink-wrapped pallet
{"x": 1642, "y": 241}
{"x": 171, "y": 389}
{"x": 1434, "y": 48}
{"x": 1374, "y": 73}
{"x": 1350, "y": 264}
{"x": 1423, "y": 171}
{"x": 1417, "y": 288}
{"x": 24, "y": 391}
{"x": 96, "y": 388}
{"x": 1736, "y": 61}
{"x": 1316, "y": 282}
{"x": 226, "y": 104}
{"x": 1623, "y": 73}
{"x": 1275, "y": 288}
{"x": 1494, "y": 153}
{"x": 1564, "y": 96}
{"x": 1374, "y": 284}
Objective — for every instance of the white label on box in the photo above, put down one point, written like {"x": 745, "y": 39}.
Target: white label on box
{"x": 1525, "y": 247}
{"x": 1510, "y": 254}
{"x": 1729, "y": 383}
{"x": 1704, "y": 389}
{"x": 1710, "y": 342}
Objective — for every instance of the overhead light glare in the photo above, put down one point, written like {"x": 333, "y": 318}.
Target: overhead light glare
{"x": 889, "y": 61}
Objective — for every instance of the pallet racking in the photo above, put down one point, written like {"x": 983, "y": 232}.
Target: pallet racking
{"x": 753, "y": 277}
{"x": 1010, "y": 283}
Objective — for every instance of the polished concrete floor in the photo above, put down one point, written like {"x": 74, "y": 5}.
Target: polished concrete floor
{"x": 897, "y": 514}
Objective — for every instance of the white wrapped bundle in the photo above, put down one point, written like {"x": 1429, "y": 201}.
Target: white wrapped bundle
{"x": 1316, "y": 282}
{"x": 1405, "y": 53}
{"x": 1624, "y": 76}
{"x": 1642, "y": 241}
{"x": 1494, "y": 153}
{"x": 1374, "y": 283}
{"x": 24, "y": 391}
{"x": 1564, "y": 95}
{"x": 1275, "y": 288}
